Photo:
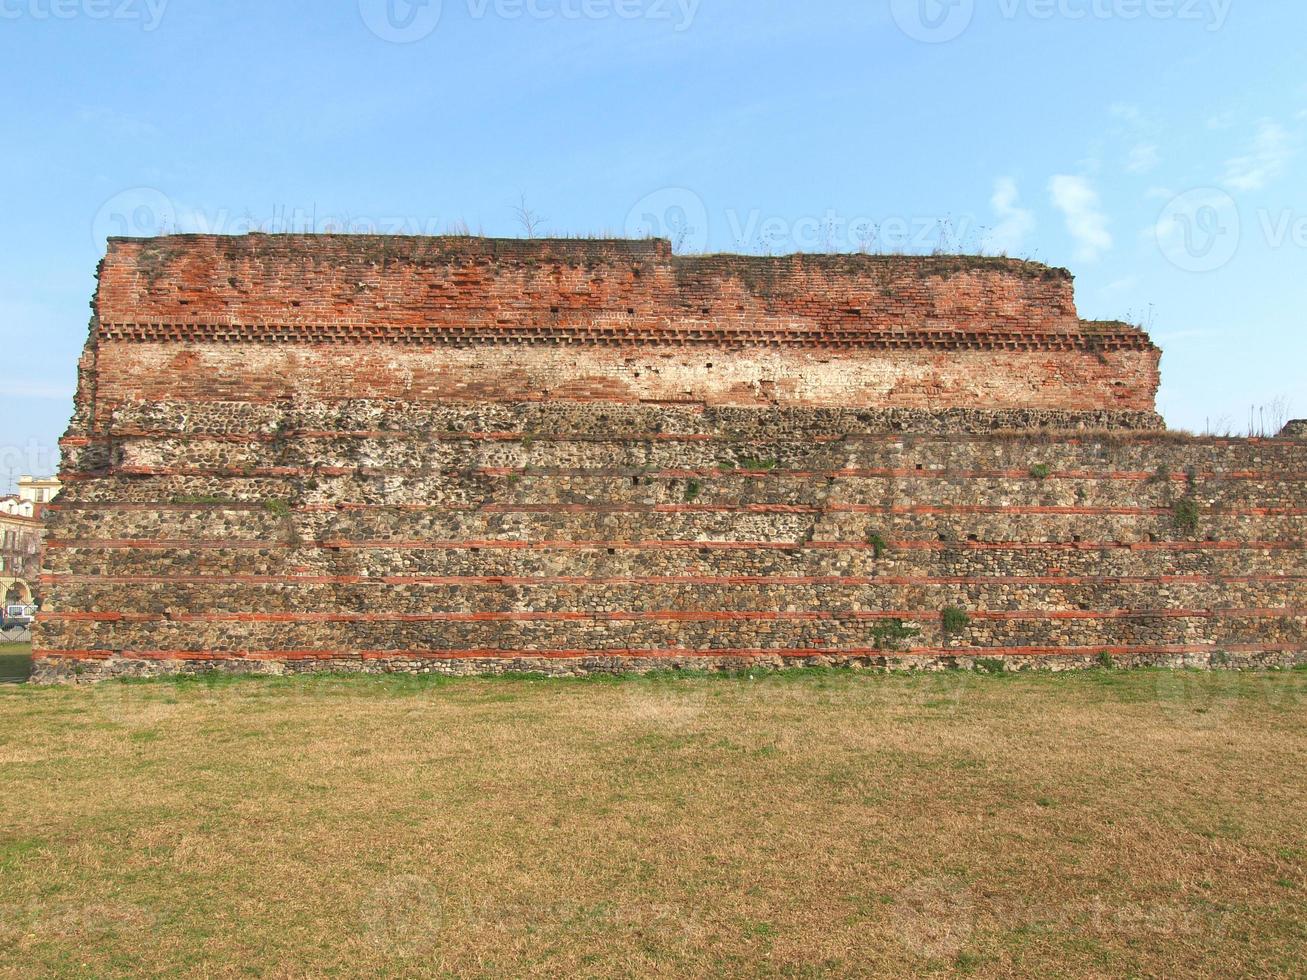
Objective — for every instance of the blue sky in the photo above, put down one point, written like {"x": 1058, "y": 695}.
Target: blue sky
{"x": 1154, "y": 147}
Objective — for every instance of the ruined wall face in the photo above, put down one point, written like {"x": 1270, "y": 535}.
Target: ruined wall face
{"x": 432, "y": 320}
{"x": 533, "y": 537}
{"x": 1117, "y": 381}
{"x": 572, "y": 505}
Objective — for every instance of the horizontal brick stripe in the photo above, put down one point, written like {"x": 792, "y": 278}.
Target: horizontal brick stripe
{"x": 150, "y": 544}
{"x": 1032, "y": 438}
{"x": 670, "y": 654}
{"x": 547, "y": 581}
{"x": 674, "y": 616}
{"x": 652, "y": 331}
{"x": 1016, "y": 510}
{"x": 435, "y": 436}
{"x": 303, "y": 472}
{"x": 241, "y": 438}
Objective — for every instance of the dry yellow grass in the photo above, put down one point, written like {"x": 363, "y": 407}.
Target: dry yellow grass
{"x": 1104, "y": 824}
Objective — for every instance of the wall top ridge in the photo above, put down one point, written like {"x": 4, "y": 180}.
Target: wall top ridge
{"x": 488, "y": 290}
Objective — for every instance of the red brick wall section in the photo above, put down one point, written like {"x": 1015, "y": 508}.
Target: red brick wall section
{"x": 609, "y": 320}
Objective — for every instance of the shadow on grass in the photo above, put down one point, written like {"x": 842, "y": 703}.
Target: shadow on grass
{"x": 15, "y": 663}
{"x": 1137, "y": 684}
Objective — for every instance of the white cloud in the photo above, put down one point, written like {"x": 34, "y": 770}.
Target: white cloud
{"x": 1266, "y": 160}
{"x": 1015, "y": 223}
{"x": 1121, "y": 285}
{"x": 1143, "y": 158}
{"x": 1127, "y": 111}
{"x": 1076, "y": 198}
{"x": 118, "y": 124}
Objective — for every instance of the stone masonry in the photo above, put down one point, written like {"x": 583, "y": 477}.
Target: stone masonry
{"x": 454, "y": 455}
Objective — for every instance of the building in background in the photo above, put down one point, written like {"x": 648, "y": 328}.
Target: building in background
{"x": 38, "y": 490}
{"x": 21, "y": 532}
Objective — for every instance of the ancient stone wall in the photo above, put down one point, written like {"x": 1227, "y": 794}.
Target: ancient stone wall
{"x": 295, "y": 500}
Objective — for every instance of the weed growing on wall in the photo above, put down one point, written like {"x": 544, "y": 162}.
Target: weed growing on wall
{"x": 1184, "y": 515}
{"x": 893, "y": 634}
{"x": 955, "y": 620}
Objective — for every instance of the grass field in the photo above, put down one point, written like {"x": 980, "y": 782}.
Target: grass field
{"x": 15, "y": 661}
{"x": 1101, "y": 824}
